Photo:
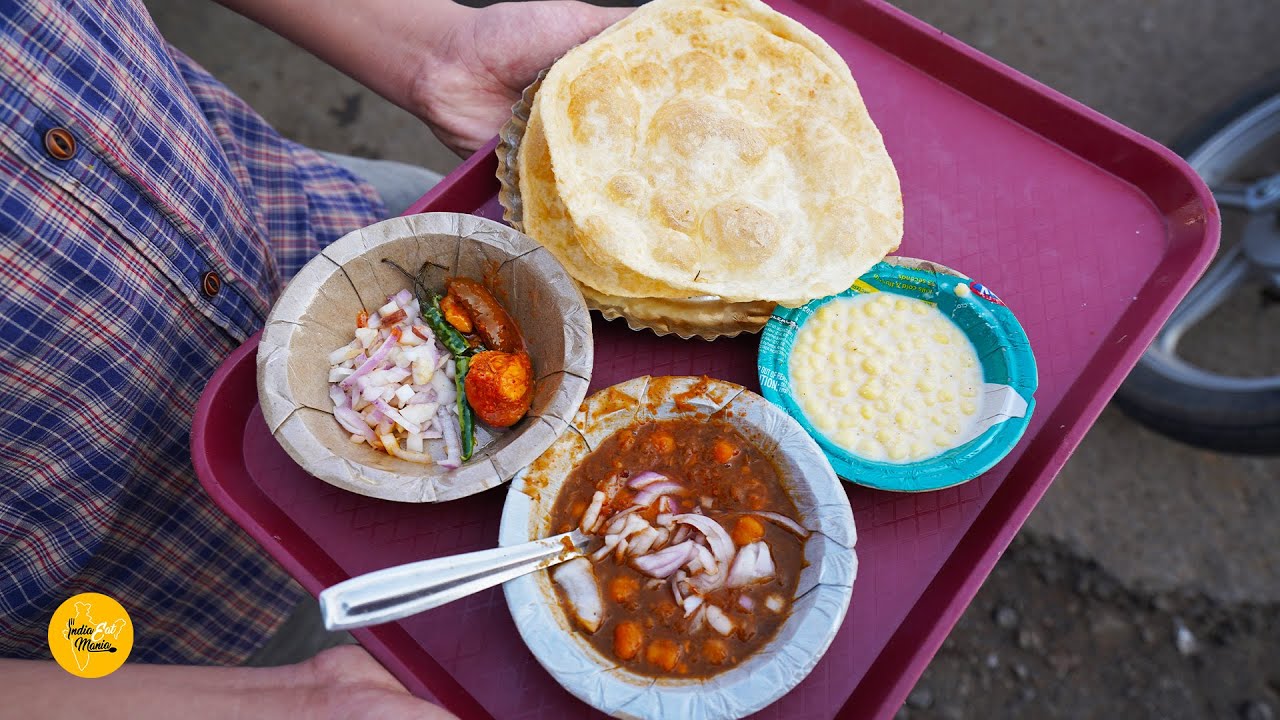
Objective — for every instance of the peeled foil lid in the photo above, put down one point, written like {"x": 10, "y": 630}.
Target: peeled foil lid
{"x": 706, "y": 317}
{"x": 316, "y": 315}
{"x": 822, "y": 595}
{"x": 1008, "y": 366}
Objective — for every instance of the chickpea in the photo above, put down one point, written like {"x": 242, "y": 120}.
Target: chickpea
{"x": 715, "y": 651}
{"x": 747, "y": 530}
{"x": 664, "y": 653}
{"x": 627, "y": 638}
{"x": 662, "y": 442}
{"x": 723, "y": 451}
{"x": 623, "y": 589}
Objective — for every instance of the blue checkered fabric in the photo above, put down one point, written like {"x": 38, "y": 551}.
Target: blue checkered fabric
{"x": 106, "y": 338}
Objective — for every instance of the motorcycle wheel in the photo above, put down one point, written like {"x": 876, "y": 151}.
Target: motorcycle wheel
{"x": 1190, "y": 385}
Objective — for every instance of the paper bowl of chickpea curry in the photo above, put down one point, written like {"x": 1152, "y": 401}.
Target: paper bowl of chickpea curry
{"x": 721, "y": 555}
{"x": 424, "y": 358}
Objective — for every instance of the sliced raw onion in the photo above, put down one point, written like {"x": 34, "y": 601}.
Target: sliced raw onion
{"x": 369, "y": 365}
{"x": 746, "y": 603}
{"x": 753, "y": 564}
{"x": 647, "y": 477}
{"x": 610, "y": 542}
{"x": 578, "y": 581}
{"x": 720, "y": 622}
{"x": 643, "y": 541}
{"x": 619, "y": 520}
{"x": 592, "y": 515}
{"x": 784, "y": 522}
{"x": 717, "y": 536}
{"x": 691, "y": 604}
{"x": 652, "y": 492}
{"x": 664, "y": 562}
{"x": 775, "y": 602}
{"x": 351, "y": 421}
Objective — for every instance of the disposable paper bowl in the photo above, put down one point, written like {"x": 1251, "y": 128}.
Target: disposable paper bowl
{"x": 822, "y": 596}
{"x": 1008, "y": 374}
{"x": 316, "y": 315}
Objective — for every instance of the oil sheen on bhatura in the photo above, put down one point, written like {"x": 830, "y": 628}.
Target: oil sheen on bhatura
{"x": 695, "y": 548}
{"x": 887, "y": 377}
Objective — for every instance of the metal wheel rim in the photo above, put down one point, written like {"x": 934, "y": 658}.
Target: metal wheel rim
{"x": 1215, "y": 160}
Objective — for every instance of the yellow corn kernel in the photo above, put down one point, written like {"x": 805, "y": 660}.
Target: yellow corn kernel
{"x": 841, "y": 389}
{"x": 866, "y": 411}
{"x": 898, "y": 451}
{"x": 949, "y": 409}
{"x": 929, "y": 399}
{"x": 847, "y": 439}
{"x": 920, "y": 450}
{"x": 869, "y": 448}
{"x": 885, "y": 436}
{"x": 968, "y": 407}
{"x": 919, "y": 307}
{"x": 873, "y": 366}
{"x": 925, "y": 385}
{"x": 870, "y": 391}
{"x": 902, "y": 304}
{"x": 941, "y": 338}
{"x": 942, "y": 440}
{"x": 847, "y": 423}
{"x": 952, "y": 426}
{"x": 945, "y": 395}
{"x": 882, "y": 405}
{"x": 873, "y": 310}
{"x": 903, "y": 419}
{"x": 968, "y": 391}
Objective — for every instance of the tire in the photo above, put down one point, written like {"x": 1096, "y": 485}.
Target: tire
{"x": 1235, "y": 421}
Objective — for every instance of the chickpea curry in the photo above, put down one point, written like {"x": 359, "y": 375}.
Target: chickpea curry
{"x": 695, "y": 548}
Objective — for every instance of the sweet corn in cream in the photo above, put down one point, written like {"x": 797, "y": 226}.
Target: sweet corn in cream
{"x": 886, "y": 377}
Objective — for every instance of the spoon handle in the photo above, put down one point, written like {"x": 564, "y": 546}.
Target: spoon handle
{"x": 397, "y": 592}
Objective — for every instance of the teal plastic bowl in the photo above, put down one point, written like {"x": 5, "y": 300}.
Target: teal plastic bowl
{"x": 1002, "y": 348}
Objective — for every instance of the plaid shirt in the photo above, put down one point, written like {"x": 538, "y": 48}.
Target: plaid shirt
{"x": 106, "y": 338}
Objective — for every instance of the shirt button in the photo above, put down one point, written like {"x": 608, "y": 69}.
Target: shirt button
{"x": 60, "y": 144}
{"x": 210, "y": 284}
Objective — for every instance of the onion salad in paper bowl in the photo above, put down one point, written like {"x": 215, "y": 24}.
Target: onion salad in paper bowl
{"x": 355, "y": 277}
{"x": 826, "y": 559}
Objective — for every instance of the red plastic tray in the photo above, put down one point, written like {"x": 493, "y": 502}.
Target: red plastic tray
{"x": 1090, "y": 232}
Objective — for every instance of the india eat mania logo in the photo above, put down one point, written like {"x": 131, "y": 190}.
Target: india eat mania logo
{"x": 90, "y": 635}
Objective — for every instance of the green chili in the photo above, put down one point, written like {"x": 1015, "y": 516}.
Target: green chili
{"x": 466, "y": 416}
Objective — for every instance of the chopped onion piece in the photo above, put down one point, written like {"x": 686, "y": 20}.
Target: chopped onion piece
{"x": 619, "y": 520}
{"x": 643, "y": 541}
{"x": 746, "y": 603}
{"x": 577, "y": 579}
{"x": 753, "y": 564}
{"x": 592, "y": 515}
{"x": 775, "y": 602}
{"x": 652, "y": 492}
{"x": 388, "y": 309}
{"x": 664, "y": 562}
{"x": 784, "y": 522}
{"x": 396, "y": 417}
{"x": 720, "y": 622}
{"x": 647, "y": 477}
{"x": 403, "y": 393}
{"x": 610, "y": 542}
{"x": 691, "y": 604}
{"x": 716, "y": 535}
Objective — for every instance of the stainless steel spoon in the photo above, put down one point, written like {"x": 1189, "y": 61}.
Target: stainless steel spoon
{"x": 404, "y": 590}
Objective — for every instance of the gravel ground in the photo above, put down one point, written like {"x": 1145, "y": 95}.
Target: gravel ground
{"x": 1147, "y": 583}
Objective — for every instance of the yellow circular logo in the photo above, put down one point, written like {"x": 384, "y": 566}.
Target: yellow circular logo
{"x": 90, "y": 635}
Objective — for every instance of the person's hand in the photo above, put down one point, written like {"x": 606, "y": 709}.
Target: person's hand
{"x": 490, "y": 55}
{"x": 346, "y": 682}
